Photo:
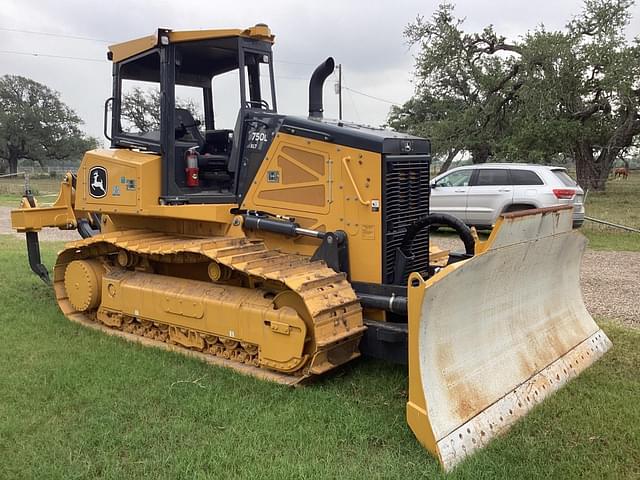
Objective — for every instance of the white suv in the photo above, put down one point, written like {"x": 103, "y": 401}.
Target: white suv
{"x": 478, "y": 194}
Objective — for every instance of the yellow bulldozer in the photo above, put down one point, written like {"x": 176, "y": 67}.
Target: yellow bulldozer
{"x": 286, "y": 246}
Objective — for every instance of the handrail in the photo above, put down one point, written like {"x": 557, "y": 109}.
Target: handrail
{"x": 106, "y": 115}
{"x": 366, "y": 203}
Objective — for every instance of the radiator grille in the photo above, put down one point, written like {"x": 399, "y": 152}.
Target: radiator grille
{"x": 405, "y": 200}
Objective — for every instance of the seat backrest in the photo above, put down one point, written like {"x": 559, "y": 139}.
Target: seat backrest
{"x": 217, "y": 141}
{"x": 184, "y": 120}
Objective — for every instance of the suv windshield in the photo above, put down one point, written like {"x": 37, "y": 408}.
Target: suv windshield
{"x": 564, "y": 177}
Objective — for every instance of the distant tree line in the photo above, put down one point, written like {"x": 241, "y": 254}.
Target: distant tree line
{"x": 35, "y": 124}
{"x": 572, "y": 93}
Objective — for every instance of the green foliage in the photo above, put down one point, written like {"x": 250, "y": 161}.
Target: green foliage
{"x": 140, "y": 109}
{"x": 579, "y": 84}
{"x": 36, "y": 124}
{"x": 571, "y": 93}
{"x": 462, "y": 88}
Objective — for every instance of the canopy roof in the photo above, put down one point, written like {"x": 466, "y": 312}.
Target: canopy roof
{"x": 124, "y": 50}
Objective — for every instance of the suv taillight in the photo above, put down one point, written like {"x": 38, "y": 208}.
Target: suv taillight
{"x": 564, "y": 193}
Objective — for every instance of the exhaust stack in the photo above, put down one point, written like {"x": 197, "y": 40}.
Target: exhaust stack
{"x": 316, "y": 83}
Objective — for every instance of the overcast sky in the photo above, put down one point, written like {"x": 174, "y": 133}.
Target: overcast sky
{"x": 364, "y": 36}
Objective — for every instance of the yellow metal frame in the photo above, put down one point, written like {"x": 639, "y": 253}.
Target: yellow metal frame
{"x": 122, "y": 51}
{"x": 61, "y": 214}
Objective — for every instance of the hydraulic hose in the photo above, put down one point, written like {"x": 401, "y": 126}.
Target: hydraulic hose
{"x": 88, "y": 229}
{"x": 404, "y": 253}
{"x": 440, "y": 219}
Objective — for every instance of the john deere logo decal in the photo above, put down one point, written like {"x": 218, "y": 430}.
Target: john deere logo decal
{"x": 97, "y": 182}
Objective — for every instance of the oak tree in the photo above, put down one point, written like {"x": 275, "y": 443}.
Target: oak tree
{"x": 36, "y": 124}
{"x": 572, "y": 93}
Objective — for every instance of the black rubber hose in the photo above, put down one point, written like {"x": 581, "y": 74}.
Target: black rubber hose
{"x": 443, "y": 219}
{"x": 88, "y": 229}
{"x": 394, "y": 304}
{"x": 84, "y": 228}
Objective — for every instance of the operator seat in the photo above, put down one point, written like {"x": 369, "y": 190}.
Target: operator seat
{"x": 185, "y": 124}
{"x": 217, "y": 142}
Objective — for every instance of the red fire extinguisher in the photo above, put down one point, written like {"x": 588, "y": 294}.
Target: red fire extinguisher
{"x": 193, "y": 179}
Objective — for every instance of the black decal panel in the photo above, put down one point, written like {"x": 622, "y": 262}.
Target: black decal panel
{"x": 98, "y": 182}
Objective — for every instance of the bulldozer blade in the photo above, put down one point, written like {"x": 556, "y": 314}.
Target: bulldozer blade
{"x": 492, "y": 336}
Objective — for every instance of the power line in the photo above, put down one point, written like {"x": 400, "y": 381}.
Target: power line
{"x": 35, "y": 54}
{"x": 353, "y": 103}
{"x": 371, "y": 96}
{"x": 61, "y": 35}
{"x": 290, "y": 78}
{"x": 102, "y": 40}
{"x": 294, "y": 63}
{"x": 86, "y": 59}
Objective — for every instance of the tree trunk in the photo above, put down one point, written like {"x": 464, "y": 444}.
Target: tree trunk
{"x": 593, "y": 172}
{"x": 480, "y": 154}
{"x": 13, "y": 161}
{"x": 447, "y": 163}
{"x": 589, "y": 172}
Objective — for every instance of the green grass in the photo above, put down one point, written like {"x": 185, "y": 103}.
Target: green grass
{"x": 619, "y": 241}
{"x": 45, "y": 189}
{"x": 75, "y": 403}
{"x": 619, "y": 204}
{"x": 9, "y": 201}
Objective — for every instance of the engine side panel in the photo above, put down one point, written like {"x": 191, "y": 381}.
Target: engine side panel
{"x": 325, "y": 187}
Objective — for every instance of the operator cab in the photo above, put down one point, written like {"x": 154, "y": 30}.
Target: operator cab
{"x": 203, "y": 100}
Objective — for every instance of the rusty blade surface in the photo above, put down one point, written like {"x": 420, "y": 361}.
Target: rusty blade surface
{"x": 500, "y": 332}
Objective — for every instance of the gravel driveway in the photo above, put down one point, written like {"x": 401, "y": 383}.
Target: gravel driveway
{"x": 610, "y": 280}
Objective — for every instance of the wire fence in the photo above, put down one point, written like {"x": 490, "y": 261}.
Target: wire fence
{"x": 57, "y": 169}
{"x": 41, "y": 181}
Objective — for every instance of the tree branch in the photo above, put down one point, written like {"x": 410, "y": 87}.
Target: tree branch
{"x": 588, "y": 112}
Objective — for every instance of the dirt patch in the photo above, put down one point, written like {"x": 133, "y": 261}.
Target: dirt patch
{"x": 609, "y": 281}
{"x": 46, "y": 235}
